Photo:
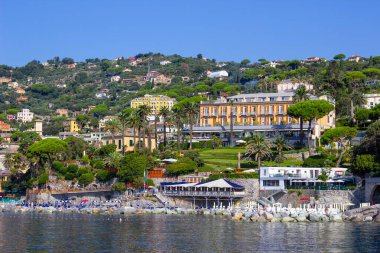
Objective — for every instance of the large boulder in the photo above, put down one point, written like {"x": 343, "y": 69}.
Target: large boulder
{"x": 314, "y": 217}
{"x": 254, "y": 217}
{"x": 376, "y": 218}
{"x": 268, "y": 216}
{"x": 301, "y": 218}
{"x": 288, "y": 219}
{"x": 336, "y": 218}
{"x": 368, "y": 218}
{"x": 237, "y": 216}
{"x": 357, "y": 217}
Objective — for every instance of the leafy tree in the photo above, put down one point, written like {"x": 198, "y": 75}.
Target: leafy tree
{"x": 258, "y": 148}
{"x": 67, "y": 60}
{"x": 119, "y": 187}
{"x": 49, "y": 148}
{"x": 310, "y": 110}
{"x": 132, "y": 167}
{"x": 245, "y": 62}
{"x": 103, "y": 176}
{"x": 216, "y": 142}
{"x": 105, "y": 150}
{"x": 342, "y": 135}
{"x": 75, "y": 147}
{"x": 113, "y": 160}
{"x": 364, "y": 163}
{"x": 100, "y": 110}
{"x": 25, "y": 139}
{"x": 362, "y": 114}
{"x": 339, "y": 57}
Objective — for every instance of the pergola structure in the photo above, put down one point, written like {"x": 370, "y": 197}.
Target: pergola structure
{"x": 215, "y": 191}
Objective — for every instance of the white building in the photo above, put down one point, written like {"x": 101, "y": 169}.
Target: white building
{"x": 371, "y": 100}
{"x": 289, "y": 86}
{"x": 279, "y": 178}
{"x": 218, "y": 74}
{"x": 115, "y": 78}
{"x": 25, "y": 116}
{"x": 163, "y": 63}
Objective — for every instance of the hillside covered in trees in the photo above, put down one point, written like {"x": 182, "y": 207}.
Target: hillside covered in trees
{"x": 64, "y": 83}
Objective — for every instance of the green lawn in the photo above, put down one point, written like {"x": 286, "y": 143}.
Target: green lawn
{"x": 222, "y": 158}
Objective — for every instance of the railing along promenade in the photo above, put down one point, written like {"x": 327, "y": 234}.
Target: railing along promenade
{"x": 71, "y": 190}
{"x": 203, "y": 194}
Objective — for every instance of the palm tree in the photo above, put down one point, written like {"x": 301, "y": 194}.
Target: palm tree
{"x": 191, "y": 110}
{"x": 232, "y": 123}
{"x": 113, "y": 127}
{"x": 143, "y": 111}
{"x": 178, "y": 118}
{"x": 164, "y": 113}
{"x": 112, "y": 161}
{"x": 281, "y": 144}
{"x": 259, "y": 147}
{"x": 134, "y": 123}
{"x": 300, "y": 95}
{"x": 123, "y": 120}
{"x": 155, "y": 129}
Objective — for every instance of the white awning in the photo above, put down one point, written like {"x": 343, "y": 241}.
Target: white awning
{"x": 220, "y": 183}
{"x": 170, "y": 160}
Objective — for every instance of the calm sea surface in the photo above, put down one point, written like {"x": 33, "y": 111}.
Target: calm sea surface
{"x": 159, "y": 233}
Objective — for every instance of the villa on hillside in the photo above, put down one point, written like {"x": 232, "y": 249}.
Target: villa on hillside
{"x": 371, "y": 100}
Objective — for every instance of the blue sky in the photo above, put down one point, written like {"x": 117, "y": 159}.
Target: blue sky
{"x": 220, "y": 29}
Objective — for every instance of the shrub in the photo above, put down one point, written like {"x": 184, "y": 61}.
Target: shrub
{"x": 43, "y": 179}
{"x": 119, "y": 187}
{"x": 103, "y": 176}
{"x": 183, "y": 166}
{"x": 233, "y": 176}
{"x": 73, "y": 168}
{"x": 315, "y": 161}
{"x": 97, "y": 164}
{"x": 86, "y": 179}
{"x": 58, "y": 166}
{"x": 82, "y": 171}
{"x": 69, "y": 176}
{"x": 149, "y": 182}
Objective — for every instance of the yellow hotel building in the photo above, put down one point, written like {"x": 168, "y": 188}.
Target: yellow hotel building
{"x": 70, "y": 125}
{"x": 156, "y": 102}
{"x": 251, "y": 113}
{"x": 248, "y": 109}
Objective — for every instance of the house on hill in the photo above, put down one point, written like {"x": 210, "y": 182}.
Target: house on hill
{"x": 218, "y": 74}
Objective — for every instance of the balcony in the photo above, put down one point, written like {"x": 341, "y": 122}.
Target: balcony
{"x": 203, "y": 194}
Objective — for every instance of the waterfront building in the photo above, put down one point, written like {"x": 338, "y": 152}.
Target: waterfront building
{"x": 208, "y": 193}
{"x": 260, "y": 112}
{"x": 25, "y": 116}
{"x": 70, "y": 125}
{"x": 155, "y": 102}
{"x": 371, "y": 100}
{"x": 281, "y": 178}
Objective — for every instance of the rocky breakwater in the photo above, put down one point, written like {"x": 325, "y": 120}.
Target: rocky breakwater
{"x": 289, "y": 215}
{"x": 370, "y": 213}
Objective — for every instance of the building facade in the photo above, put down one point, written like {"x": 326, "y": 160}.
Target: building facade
{"x": 25, "y": 116}
{"x": 129, "y": 142}
{"x": 281, "y": 178}
{"x": 70, "y": 126}
{"x": 4, "y": 127}
{"x": 371, "y": 100}
{"x": 155, "y": 102}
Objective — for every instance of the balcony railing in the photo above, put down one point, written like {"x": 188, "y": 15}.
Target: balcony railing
{"x": 203, "y": 193}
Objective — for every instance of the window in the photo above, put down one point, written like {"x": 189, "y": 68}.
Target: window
{"x": 272, "y": 99}
{"x": 119, "y": 144}
{"x": 271, "y": 183}
{"x": 281, "y": 109}
{"x": 285, "y": 98}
